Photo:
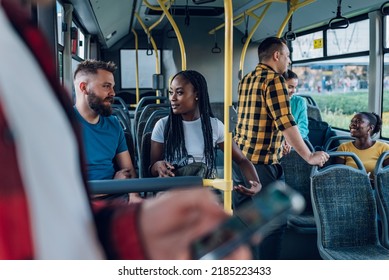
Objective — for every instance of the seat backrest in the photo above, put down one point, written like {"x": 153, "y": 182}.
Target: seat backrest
{"x": 118, "y": 112}
{"x": 343, "y": 205}
{"x": 144, "y": 146}
{"x": 313, "y": 110}
{"x": 119, "y": 103}
{"x": 144, "y": 159}
{"x": 381, "y": 184}
{"x": 297, "y": 175}
{"x": 333, "y": 142}
{"x": 127, "y": 97}
{"x": 319, "y": 133}
{"x": 154, "y": 117}
{"x": 143, "y": 102}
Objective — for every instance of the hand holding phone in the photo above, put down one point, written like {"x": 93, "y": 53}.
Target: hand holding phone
{"x": 251, "y": 222}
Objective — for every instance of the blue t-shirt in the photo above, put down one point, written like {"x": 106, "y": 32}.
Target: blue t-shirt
{"x": 102, "y": 142}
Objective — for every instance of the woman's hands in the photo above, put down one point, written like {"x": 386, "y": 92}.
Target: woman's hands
{"x": 255, "y": 188}
{"x": 162, "y": 169}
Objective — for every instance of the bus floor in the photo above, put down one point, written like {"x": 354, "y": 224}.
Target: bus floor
{"x": 299, "y": 246}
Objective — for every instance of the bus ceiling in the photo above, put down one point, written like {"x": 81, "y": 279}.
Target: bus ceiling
{"x": 113, "y": 20}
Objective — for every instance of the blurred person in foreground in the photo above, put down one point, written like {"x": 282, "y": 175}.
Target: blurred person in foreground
{"x": 44, "y": 207}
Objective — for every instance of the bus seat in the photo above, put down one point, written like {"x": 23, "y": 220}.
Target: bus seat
{"x": 145, "y": 115}
{"x": 218, "y": 110}
{"x": 319, "y": 133}
{"x": 145, "y": 142}
{"x": 297, "y": 176}
{"x": 144, "y": 156}
{"x": 127, "y": 97}
{"x": 345, "y": 212}
{"x": 333, "y": 142}
{"x": 143, "y": 103}
{"x": 313, "y": 110}
{"x": 382, "y": 196}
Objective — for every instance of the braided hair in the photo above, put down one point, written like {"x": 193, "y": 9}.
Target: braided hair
{"x": 174, "y": 147}
{"x": 375, "y": 120}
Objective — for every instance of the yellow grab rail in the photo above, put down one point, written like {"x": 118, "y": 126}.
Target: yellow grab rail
{"x": 294, "y": 5}
{"x": 136, "y": 66}
{"x": 177, "y": 31}
{"x": 246, "y": 44}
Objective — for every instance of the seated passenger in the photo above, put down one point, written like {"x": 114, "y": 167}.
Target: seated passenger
{"x": 363, "y": 127}
{"x": 191, "y": 129}
{"x": 45, "y": 212}
{"x": 298, "y": 104}
{"x": 103, "y": 137}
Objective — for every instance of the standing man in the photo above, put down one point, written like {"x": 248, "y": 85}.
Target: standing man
{"x": 264, "y": 118}
{"x": 104, "y": 140}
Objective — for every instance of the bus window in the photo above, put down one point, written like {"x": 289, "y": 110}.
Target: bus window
{"x": 339, "y": 87}
{"x": 349, "y": 40}
{"x": 303, "y": 46}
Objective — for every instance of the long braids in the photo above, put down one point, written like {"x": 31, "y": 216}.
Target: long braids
{"x": 175, "y": 149}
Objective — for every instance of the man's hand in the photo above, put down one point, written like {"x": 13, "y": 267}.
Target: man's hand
{"x": 318, "y": 158}
{"x": 124, "y": 173}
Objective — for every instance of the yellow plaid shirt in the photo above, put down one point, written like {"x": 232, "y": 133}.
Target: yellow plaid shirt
{"x": 263, "y": 112}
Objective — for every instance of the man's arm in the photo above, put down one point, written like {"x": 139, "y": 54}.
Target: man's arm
{"x": 126, "y": 171}
{"x": 293, "y": 137}
{"x": 126, "y": 168}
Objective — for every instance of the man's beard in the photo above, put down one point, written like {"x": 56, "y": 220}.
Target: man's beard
{"x": 97, "y": 104}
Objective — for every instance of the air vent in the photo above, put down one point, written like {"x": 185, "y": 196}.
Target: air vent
{"x": 193, "y": 11}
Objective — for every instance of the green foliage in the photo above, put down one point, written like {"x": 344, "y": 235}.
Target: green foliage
{"x": 347, "y": 103}
{"x": 338, "y": 108}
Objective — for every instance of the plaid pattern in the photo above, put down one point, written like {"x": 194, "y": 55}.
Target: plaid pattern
{"x": 263, "y": 113}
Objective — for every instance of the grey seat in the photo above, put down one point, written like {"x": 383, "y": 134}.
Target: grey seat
{"x": 145, "y": 143}
{"x": 333, "y": 143}
{"x": 381, "y": 184}
{"x": 345, "y": 212}
{"x": 297, "y": 175}
{"x": 313, "y": 110}
{"x": 142, "y": 104}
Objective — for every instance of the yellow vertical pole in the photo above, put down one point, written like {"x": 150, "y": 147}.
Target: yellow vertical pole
{"x": 136, "y": 66}
{"x": 228, "y": 46}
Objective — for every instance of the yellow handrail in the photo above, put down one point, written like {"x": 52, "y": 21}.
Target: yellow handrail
{"x": 240, "y": 18}
{"x": 246, "y": 44}
{"x": 136, "y": 66}
{"x": 293, "y": 7}
{"x": 228, "y": 45}
{"x": 177, "y": 31}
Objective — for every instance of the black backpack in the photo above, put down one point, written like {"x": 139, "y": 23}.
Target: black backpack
{"x": 319, "y": 133}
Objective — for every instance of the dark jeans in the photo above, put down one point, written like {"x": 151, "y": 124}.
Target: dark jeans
{"x": 270, "y": 247}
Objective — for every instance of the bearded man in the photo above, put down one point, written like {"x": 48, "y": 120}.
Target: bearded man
{"x": 104, "y": 139}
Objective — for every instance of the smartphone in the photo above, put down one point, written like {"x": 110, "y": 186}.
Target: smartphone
{"x": 252, "y": 221}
